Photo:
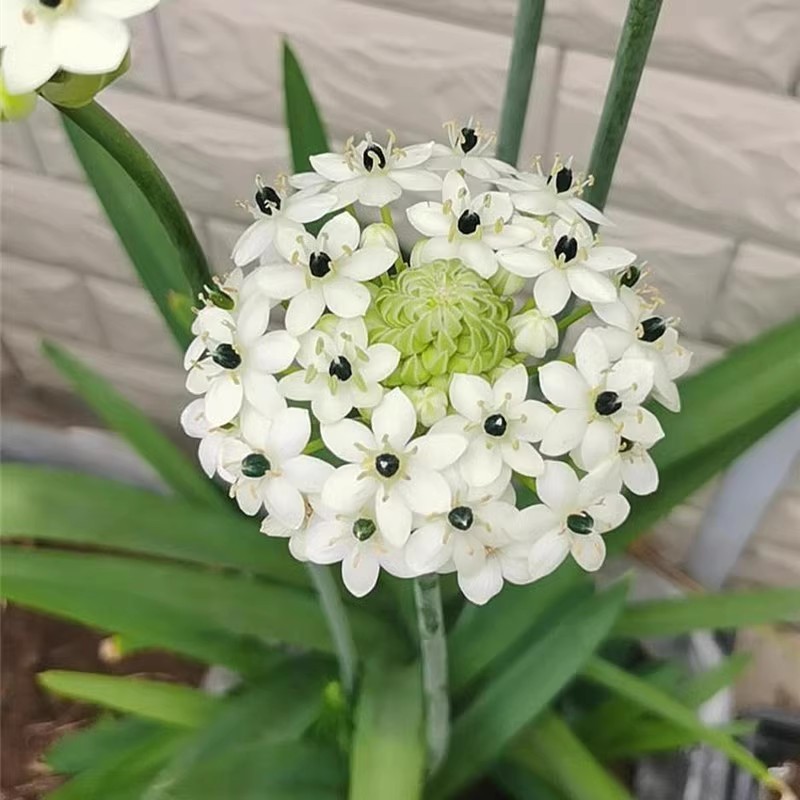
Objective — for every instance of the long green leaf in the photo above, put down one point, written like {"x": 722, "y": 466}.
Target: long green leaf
{"x": 132, "y": 160}
{"x": 634, "y": 44}
{"x": 173, "y": 466}
{"x": 388, "y": 756}
{"x": 727, "y": 610}
{"x": 168, "y": 703}
{"x": 550, "y": 749}
{"x": 62, "y": 506}
{"x": 705, "y": 685}
{"x": 527, "y": 27}
{"x": 518, "y": 693}
{"x": 664, "y": 706}
{"x": 229, "y": 603}
{"x": 521, "y": 784}
{"x": 307, "y": 135}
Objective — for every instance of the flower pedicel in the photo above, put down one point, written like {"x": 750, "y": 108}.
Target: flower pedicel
{"x": 437, "y": 382}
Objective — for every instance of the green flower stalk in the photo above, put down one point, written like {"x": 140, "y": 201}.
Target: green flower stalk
{"x": 444, "y": 319}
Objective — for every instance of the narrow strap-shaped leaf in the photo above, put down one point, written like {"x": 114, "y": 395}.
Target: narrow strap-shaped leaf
{"x": 663, "y": 705}
{"x": 232, "y": 604}
{"x": 61, "y": 506}
{"x": 521, "y": 784}
{"x": 388, "y": 755}
{"x": 112, "y": 136}
{"x": 549, "y": 748}
{"x": 307, "y": 135}
{"x": 726, "y": 610}
{"x": 527, "y": 27}
{"x": 171, "y": 464}
{"x": 518, "y": 693}
{"x": 634, "y": 45}
{"x": 707, "y": 684}
{"x": 170, "y": 703}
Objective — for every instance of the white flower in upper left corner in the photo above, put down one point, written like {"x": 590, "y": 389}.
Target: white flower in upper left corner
{"x": 324, "y": 271}
{"x": 461, "y": 226}
{"x": 231, "y": 360}
{"x": 389, "y": 470}
{"x": 85, "y": 37}
{"x": 340, "y": 370}
{"x": 570, "y": 263}
{"x": 571, "y": 517}
{"x": 599, "y": 403}
{"x": 499, "y": 423}
{"x": 372, "y": 174}
{"x": 276, "y": 210}
{"x": 269, "y": 468}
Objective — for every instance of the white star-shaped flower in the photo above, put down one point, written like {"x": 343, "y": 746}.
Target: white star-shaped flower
{"x": 232, "y": 361}
{"x": 372, "y": 174}
{"x": 599, "y": 402}
{"x": 569, "y": 261}
{"x": 195, "y": 424}
{"x": 570, "y": 519}
{"x": 637, "y": 331}
{"x": 326, "y": 271}
{"x": 341, "y": 371}
{"x": 471, "y": 229}
{"x": 557, "y": 193}
{"x": 85, "y": 37}
{"x": 268, "y": 467}
{"x": 389, "y": 470}
{"x": 499, "y": 423}
{"x": 277, "y": 210}
{"x": 630, "y": 465}
{"x": 356, "y": 540}
{"x": 467, "y": 151}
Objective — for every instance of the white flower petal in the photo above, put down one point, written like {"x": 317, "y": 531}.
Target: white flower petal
{"x": 413, "y": 155}
{"x": 600, "y": 441}
{"x": 429, "y": 219}
{"x": 632, "y": 379}
{"x": 253, "y": 242}
{"x": 417, "y": 180}
{"x": 367, "y": 263}
{"x": 393, "y": 517}
{"x": 551, "y": 292}
{"x": 610, "y": 511}
{"x": 564, "y": 432}
{"x": 558, "y": 487}
{"x": 481, "y": 464}
{"x": 469, "y": 553}
{"x": 548, "y": 553}
{"x": 29, "y": 60}
{"x": 360, "y": 571}
{"x": 481, "y": 586}
{"x": 511, "y": 387}
{"x": 591, "y": 357}
{"x": 378, "y": 190}
{"x": 280, "y": 282}
{"x": 296, "y": 387}
{"x": 348, "y": 489}
{"x": 640, "y": 474}
{"x": 531, "y": 420}
{"x": 471, "y": 396}
{"x": 642, "y": 426}
{"x": 394, "y": 420}
{"x": 333, "y": 166}
{"x": 305, "y": 208}
{"x": 89, "y": 44}
{"x": 119, "y": 9}
{"x": 535, "y": 521}
{"x": 223, "y": 400}
{"x": 522, "y": 458}
{"x": 306, "y": 473}
{"x": 348, "y": 439}
{"x": 248, "y": 497}
{"x": 345, "y": 297}
{"x": 426, "y": 492}
{"x": 437, "y": 451}
{"x": 589, "y": 550}
{"x": 328, "y": 541}
{"x": 383, "y": 360}
{"x": 604, "y": 258}
{"x": 589, "y": 212}
{"x": 289, "y": 433}
{"x": 284, "y": 501}
{"x": 429, "y": 548}
{"x": 339, "y": 235}
{"x": 304, "y": 310}
{"x": 590, "y": 285}
{"x": 273, "y": 352}
{"x": 563, "y": 385}
{"x": 193, "y": 419}
{"x": 524, "y": 261}
{"x": 478, "y": 256}
{"x": 328, "y": 407}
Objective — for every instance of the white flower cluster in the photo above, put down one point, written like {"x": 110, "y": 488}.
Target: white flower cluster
{"x": 421, "y": 380}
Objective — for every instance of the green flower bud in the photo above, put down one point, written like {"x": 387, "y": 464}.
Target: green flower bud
{"x": 507, "y": 283}
{"x": 443, "y": 318}
{"x": 15, "y": 106}
{"x": 73, "y": 91}
{"x": 430, "y": 403}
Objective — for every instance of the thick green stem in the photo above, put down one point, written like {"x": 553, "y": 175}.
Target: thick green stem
{"x": 433, "y": 653}
{"x": 106, "y": 130}
{"x": 634, "y": 44}
{"x": 527, "y": 26}
{"x": 574, "y": 316}
{"x": 336, "y": 615}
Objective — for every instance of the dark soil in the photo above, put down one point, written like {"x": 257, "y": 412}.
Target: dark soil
{"x": 32, "y": 719}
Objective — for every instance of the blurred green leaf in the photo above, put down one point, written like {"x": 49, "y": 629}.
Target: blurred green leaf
{"x": 61, "y": 506}
{"x": 707, "y": 684}
{"x": 81, "y": 586}
{"x": 510, "y": 618}
{"x": 307, "y": 135}
{"x": 521, "y": 784}
{"x": 727, "y": 610}
{"x": 515, "y": 695}
{"x": 550, "y": 749}
{"x": 388, "y": 755}
{"x": 663, "y": 705}
{"x": 120, "y": 415}
{"x": 169, "y": 703}
{"x": 141, "y": 205}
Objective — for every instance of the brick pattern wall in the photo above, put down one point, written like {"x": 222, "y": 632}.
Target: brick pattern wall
{"x": 707, "y": 188}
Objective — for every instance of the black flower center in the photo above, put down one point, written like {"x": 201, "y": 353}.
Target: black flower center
{"x": 468, "y": 222}
{"x": 461, "y": 518}
{"x": 363, "y": 528}
{"x": 51, "y": 3}
{"x": 373, "y": 155}
{"x": 580, "y": 523}
{"x": 625, "y": 445}
{"x": 563, "y": 179}
{"x": 495, "y": 425}
{"x": 653, "y": 329}
{"x": 267, "y": 199}
{"x": 607, "y": 403}
{"x": 319, "y": 264}
{"x": 226, "y": 356}
{"x": 340, "y": 368}
{"x": 387, "y": 464}
{"x": 631, "y": 276}
{"x": 255, "y": 465}
{"x": 566, "y": 246}
{"x": 469, "y": 139}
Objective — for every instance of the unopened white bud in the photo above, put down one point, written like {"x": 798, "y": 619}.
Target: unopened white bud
{"x": 380, "y": 234}
{"x": 534, "y": 333}
{"x": 429, "y": 402}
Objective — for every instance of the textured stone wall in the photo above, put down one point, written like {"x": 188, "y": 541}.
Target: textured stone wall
{"x": 707, "y": 188}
